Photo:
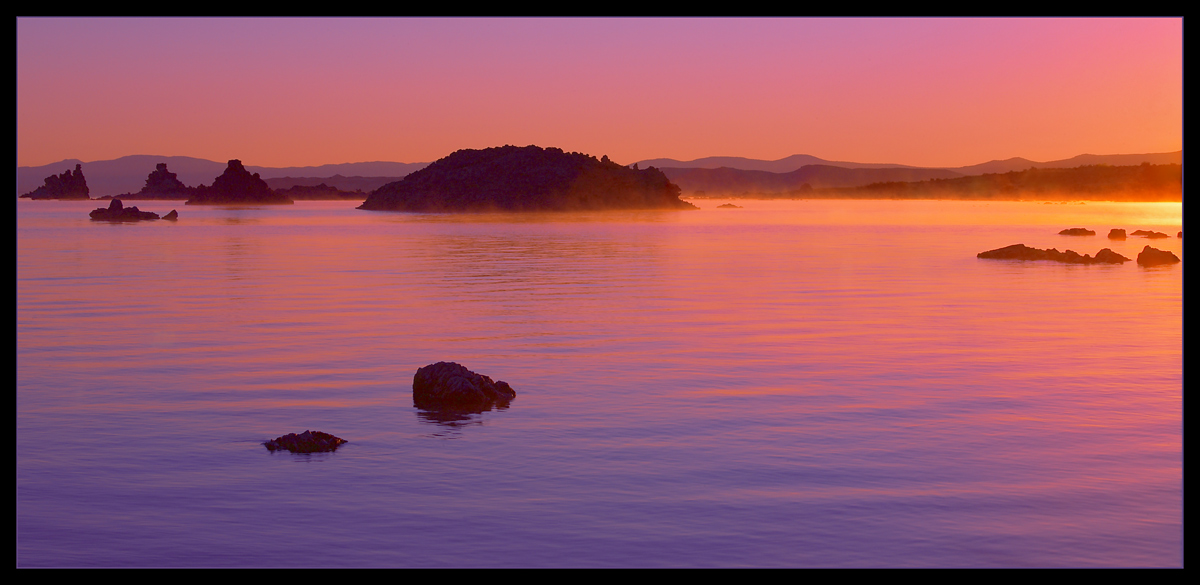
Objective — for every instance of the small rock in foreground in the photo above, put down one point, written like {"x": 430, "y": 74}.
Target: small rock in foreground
{"x": 447, "y": 385}
{"x": 1023, "y": 252}
{"x": 306, "y": 442}
{"x": 1154, "y": 257}
{"x": 1077, "y": 232}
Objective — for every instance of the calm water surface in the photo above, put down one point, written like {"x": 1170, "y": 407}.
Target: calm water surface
{"x": 795, "y": 383}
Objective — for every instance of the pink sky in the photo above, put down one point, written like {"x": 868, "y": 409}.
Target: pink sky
{"x": 297, "y": 92}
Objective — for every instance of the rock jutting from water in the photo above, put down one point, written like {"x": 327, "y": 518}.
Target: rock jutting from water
{"x": 1155, "y": 257}
{"x": 1149, "y": 234}
{"x": 1116, "y": 234}
{"x": 448, "y": 385}
{"x": 306, "y": 442}
{"x": 236, "y": 186}
{"x": 116, "y": 211}
{"x": 729, "y": 206}
{"x": 1077, "y": 232}
{"x": 511, "y": 178}
{"x": 69, "y": 185}
{"x": 1023, "y": 252}
{"x": 161, "y": 184}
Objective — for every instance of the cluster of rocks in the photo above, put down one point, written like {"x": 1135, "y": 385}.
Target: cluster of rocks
{"x": 1023, "y": 252}
{"x": 116, "y": 211}
{"x": 306, "y": 442}
{"x": 1115, "y": 233}
{"x": 450, "y": 386}
{"x": 446, "y": 393}
{"x": 69, "y": 185}
{"x": 1148, "y": 257}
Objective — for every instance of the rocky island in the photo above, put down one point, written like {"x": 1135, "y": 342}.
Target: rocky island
{"x": 1023, "y": 252}
{"x": 69, "y": 185}
{"x": 511, "y": 178}
{"x": 116, "y": 211}
{"x": 236, "y": 186}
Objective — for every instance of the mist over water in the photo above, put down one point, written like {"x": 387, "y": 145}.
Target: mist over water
{"x": 795, "y": 383}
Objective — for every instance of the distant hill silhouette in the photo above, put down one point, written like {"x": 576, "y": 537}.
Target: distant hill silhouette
{"x": 727, "y": 181}
{"x": 739, "y": 182}
{"x": 796, "y": 161}
{"x": 1021, "y": 164}
{"x": 1144, "y": 182}
{"x": 511, "y": 178}
{"x": 783, "y": 165}
{"x": 364, "y": 184}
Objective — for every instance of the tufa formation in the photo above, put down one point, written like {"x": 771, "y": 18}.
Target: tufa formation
{"x": 69, "y": 185}
{"x": 236, "y": 186}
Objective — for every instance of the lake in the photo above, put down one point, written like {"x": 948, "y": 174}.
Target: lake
{"x": 791, "y": 384}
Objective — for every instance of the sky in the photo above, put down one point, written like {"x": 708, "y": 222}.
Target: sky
{"x": 309, "y": 91}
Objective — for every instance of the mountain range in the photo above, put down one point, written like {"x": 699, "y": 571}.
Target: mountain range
{"x": 711, "y": 174}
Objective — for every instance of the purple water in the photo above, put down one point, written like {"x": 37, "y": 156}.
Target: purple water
{"x": 795, "y": 383}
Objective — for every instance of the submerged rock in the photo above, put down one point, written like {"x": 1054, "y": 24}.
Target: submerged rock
{"x": 729, "y": 206}
{"x": 1023, "y": 252}
{"x": 447, "y": 385}
{"x": 117, "y": 212}
{"x": 1116, "y": 234}
{"x": 306, "y": 442}
{"x": 1077, "y": 232}
{"x": 1154, "y": 257}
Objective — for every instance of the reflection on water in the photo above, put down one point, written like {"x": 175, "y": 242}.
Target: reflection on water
{"x": 794, "y": 383}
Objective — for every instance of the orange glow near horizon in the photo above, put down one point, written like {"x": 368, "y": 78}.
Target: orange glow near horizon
{"x": 298, "y": 92}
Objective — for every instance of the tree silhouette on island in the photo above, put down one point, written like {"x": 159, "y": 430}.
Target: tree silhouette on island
{"x": 531, "y": 178}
